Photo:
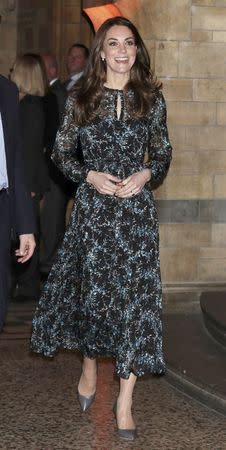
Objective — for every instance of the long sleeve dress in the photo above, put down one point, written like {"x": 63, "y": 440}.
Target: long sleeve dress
{"x": 103, "y": 296}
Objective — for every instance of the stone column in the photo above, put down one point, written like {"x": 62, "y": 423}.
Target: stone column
{"x": 69, "y": 27}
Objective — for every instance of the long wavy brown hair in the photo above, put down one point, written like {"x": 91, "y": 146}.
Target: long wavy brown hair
{"x": 89, "y": 90}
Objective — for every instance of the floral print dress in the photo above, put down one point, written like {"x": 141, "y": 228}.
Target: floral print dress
{"x": 103, "y": 295}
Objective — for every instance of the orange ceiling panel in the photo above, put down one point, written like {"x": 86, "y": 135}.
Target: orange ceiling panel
{"x": 99, "y": 14}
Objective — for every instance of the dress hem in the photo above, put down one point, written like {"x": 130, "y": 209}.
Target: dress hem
{"x": 157, "y": 368}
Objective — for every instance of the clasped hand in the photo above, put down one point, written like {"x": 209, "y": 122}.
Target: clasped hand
{"x": 111, "y": 185}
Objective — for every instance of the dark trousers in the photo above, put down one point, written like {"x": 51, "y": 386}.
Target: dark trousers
{"x": 26, "y": 276}
{"x": 52, "y": 224}
{"x": 5, "y": 238}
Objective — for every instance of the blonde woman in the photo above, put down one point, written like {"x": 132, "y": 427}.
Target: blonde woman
{"x": 28, "y": 75}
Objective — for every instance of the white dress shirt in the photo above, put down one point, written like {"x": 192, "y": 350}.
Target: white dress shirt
{"x": 4, "y": 183}
{"x": 53, "y": 81}
{"x": 74, "y": 79}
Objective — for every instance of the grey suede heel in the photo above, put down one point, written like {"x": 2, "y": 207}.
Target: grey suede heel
{"x": 128, "y": 435}
{"x": 85, "y": 402}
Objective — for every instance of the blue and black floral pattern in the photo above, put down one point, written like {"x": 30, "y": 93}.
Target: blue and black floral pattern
{"x": 103, "y": 296}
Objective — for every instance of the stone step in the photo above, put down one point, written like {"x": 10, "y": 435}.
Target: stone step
{"x": 196, "y": 363}
{"x": 213, "y": 306}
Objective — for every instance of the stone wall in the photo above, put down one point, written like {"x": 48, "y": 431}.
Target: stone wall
{"x": 40, "y": 26}
{"x": 34, "y": 26}
{"x": 8, "y": 36}
{"x": 26, "y": 27}
{"x": 187, "y": 42}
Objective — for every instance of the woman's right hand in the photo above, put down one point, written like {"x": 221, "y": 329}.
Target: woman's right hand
{"x": 103, "y": 182}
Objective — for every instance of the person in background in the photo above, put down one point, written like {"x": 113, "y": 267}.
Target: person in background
{"x": 76, "y": 62}
{"x": 55, "y": 200}
{"x": 15, "y": 202}
{"x": 54, "y": 83}
{"x": 29, "y": 77}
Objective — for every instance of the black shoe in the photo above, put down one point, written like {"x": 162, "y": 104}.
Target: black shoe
{"x": 24, "y": 294}
{"x": 22, "y": 298}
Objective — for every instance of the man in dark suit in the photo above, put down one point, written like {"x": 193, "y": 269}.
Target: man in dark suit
{"x": 15, "y": 202}
{"x": 77, "y": 57}
{"x": 55, "y": 200}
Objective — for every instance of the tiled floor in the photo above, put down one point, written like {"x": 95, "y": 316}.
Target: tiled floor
{"x": 39, "y": 409}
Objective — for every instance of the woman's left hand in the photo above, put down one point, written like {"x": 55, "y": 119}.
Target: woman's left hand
{"x": 133, "y": 184}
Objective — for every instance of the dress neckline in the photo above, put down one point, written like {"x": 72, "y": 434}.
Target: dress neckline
{"x": 113, "y": 89}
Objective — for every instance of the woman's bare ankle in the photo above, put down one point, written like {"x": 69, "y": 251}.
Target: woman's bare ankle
{"x": 124, "y": 415}
{"x": 124, "y": 403}
{"x": 88, "y": 378}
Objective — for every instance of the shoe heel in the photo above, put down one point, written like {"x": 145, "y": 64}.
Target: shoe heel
{"x": 114, "y": 408}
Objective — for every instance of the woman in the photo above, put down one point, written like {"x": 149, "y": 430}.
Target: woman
{"x": 28, "y": 75}
{"x": 103, "y": 296}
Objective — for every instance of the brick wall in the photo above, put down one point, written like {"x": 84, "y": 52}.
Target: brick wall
{"x": 187, "y": 43}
